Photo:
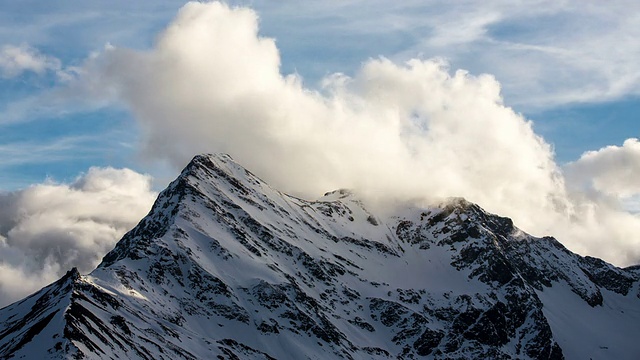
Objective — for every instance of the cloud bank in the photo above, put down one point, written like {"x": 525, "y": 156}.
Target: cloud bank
{"x": 392, "y": 131}
{"x": 47, "y": 229}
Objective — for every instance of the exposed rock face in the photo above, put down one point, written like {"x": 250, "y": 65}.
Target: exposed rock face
{"x": 225, "y": 266}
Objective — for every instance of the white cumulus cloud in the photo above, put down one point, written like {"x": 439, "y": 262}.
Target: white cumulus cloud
{"x": 393, "y": 131}
{"x": 613, "y": 170}
{"x": 47, "y": 229}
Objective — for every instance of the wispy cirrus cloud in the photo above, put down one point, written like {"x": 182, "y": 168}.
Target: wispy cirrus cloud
{"x": 39, "y": 152}
{"x": 17, "y": 59}
{"x": 31, "y": 158}
{"x": 545, "y": 53}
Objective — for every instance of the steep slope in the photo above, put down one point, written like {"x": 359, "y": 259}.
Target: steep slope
{"x": 225, "y": 266}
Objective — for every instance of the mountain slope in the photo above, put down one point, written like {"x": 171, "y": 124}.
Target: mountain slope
{"x": 226, "y": 266}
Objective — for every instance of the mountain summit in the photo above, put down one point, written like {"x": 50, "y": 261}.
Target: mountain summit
{"x": 224, "y": 266}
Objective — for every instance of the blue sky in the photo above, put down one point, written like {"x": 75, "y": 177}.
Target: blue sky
{"x": 536, "y": 51}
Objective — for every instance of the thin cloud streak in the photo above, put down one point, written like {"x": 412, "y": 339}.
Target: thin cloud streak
{"x": 24, "y": 153}
{"x": 15, "y": 60}
{"x": 57, "y": 150}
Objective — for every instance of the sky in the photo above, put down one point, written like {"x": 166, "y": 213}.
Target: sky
{"x": 527, "y": 108}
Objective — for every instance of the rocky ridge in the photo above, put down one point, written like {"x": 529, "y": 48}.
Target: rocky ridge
{"x": 226, "y": 266}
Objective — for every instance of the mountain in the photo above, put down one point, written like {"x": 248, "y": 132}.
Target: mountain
{"x": 226, "y": 267}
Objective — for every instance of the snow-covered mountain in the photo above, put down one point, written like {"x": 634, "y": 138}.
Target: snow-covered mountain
{"x": 226, "y": 267}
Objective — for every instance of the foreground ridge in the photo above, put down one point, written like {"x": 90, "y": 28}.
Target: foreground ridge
{"x": 226, "y": 266}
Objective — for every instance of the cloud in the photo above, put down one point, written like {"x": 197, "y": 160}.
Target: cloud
{"x": 548, "y": 53}
{"x": 67, "y": 97}
{"x": 613, "y": 170}
{"x": 606, "y": 196}
{"x": 632, "y": 204}
{"x": 393, "y": 131}
{"x": 544, "y": 52}
{"x": 15, "y": 60}
{"x": 39, "y": 152}
{"x": 49, "y": 228}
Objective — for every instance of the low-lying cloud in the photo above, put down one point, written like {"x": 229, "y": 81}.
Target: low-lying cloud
{"x": 47, "y": 229}
{"x": 392, "y": 131}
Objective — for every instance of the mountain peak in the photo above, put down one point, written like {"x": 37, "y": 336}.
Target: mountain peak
{"x": 226, "y": 266}
{"x": 72, "y": 274}
{"x": 221, "y": 171}
{"x": 211, "y": 161}
{"x": 337, "y": 195}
